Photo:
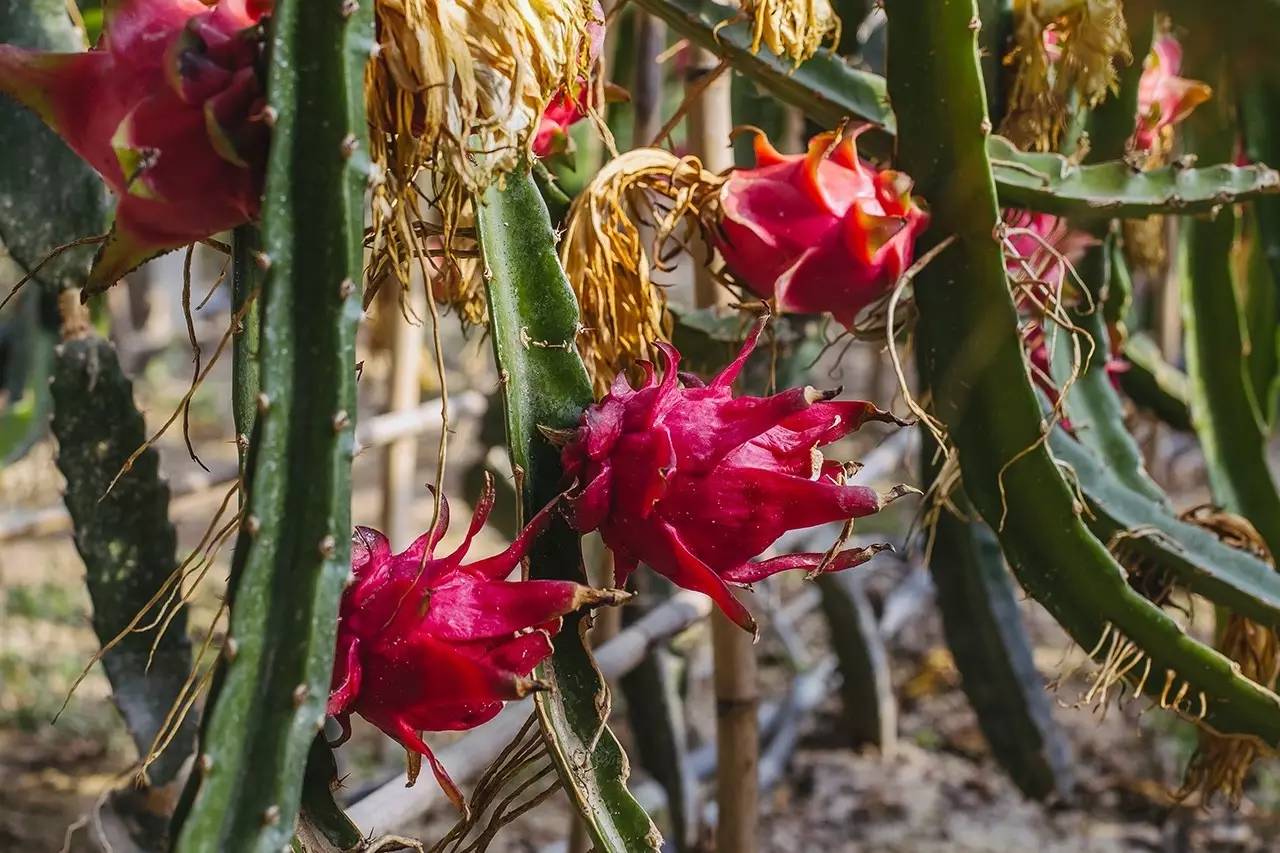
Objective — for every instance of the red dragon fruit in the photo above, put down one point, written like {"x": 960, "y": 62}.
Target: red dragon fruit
{"x": 561, "y": 114}
{"x": 428, "y": 644}
{"x": 1037, "y": 249}
{"x": 167, "y": 108}
{"x": 696, "y": 483}
{"x": 822, "y": 232}
{"x": 1164, "y": 98}
{"x": 566, "y": 110}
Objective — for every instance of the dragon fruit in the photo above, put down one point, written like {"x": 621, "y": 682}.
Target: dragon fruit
{"x": 426, "y": 643}
{"x": 820, "y": 232}
{"x": 696, "y": 483}
{"x": 168, "y": 109}
{"x": 1164, "y": 98}
{"x": 561, "y": 114}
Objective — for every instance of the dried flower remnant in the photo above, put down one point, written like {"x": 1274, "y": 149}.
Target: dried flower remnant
{"x": 609, "y": 262}
{"x": 426, "y": 643}
{"x": 456, "y": 95}
{"x": 794, "y": 29}
{"x": 1064, "y": 50}
{"x": 1221, "y": 763}
{"x": 168, "y": 109}
{"x": 696, "y": 483}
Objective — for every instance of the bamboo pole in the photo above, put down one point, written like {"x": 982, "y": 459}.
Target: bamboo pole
{"x": 400, "y": 456}
{"x": 709, "y": 122}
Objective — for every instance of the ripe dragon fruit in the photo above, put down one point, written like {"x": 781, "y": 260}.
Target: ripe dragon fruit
{"x": 168, "y": 109}
{"x": 561, "y": 114}
{"x": 696, "y": 483}
{"x": 1037, "y": 249}
{"x": 428, "y": 644}
{"x": 820, "y": 232}
{"x": 565, "y": 109}
{"x": 1164, "y": 98}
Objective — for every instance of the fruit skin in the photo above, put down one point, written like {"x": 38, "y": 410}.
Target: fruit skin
{"x": 167, "y": 108}
{"x": 426, "y": 643}
{"x": 696, "y": 483}
{"x": 820, "y": 232}
{"x": 561, "y": 114}
{"x": 1164, "y": 98}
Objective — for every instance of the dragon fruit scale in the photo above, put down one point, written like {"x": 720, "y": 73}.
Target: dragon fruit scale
{"x": 696, "y": 483}
{"x": 426, "y": 643}
{"x": 167, "y": 107}
{"x": 819, "y": 232}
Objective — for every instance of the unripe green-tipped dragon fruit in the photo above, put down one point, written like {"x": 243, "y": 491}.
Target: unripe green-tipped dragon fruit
{"x": 820, "y": 232}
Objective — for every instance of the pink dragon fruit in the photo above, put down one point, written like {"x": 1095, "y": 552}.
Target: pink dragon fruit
{"x": 696, "y": 483}
{"x": 1164, "y": 98}
{"x": 428, "y": 644}
{"x": 821, "y": 232}
{"x": 167, "y": 108}
{"x": 1037, "y": 250}
{"x": 566, "y": 110}
{"x": 561, "y": 114}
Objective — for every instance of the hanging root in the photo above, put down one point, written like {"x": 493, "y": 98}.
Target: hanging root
{"x": 794, "y": 29}
{"x": 1065, "y": 54}
{"x": 1123, "y": 664}
{"x": 1222, "y": 762}
{"x": 503, "y": 793}
{"x": 606, "y": 261}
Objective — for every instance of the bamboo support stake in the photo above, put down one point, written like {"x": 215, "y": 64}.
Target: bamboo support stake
{"x": 709, "y": 123}
{"x": 400, "y": 457}
{"x": 646, "y": 88}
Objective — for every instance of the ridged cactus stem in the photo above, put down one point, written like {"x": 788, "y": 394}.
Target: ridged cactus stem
{"x": 293, "y": 554}
{"x": 123, "y": 535}
{"x": 246, "y": 280}
{"x": 1112, "y": 122}
{"x": 534, "y": 327}
{"x": 970, "y": 348}
{"x": 1225, "y": 409}
{"x": 992, "y": 651}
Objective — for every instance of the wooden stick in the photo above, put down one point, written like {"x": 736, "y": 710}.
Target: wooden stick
{"x": 400, "y": 456}
{"x": 188, "y": 488}
{"x": 709, "y": 122}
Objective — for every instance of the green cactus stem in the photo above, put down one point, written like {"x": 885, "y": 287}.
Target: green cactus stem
{"x": 125, "y": 539}
{"x": 970, "y": 348}
{"x": 991, "y": 649}
{"x": 293, "y": 554}
{"x": 1154, "y": 384}
{"x": 534, "y": 324}
{"x": 1228, "y": 417}
{"x": 1092, "y": 405}
{"x": 246, "y": 369}
{"x": 1189, "y": 556}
